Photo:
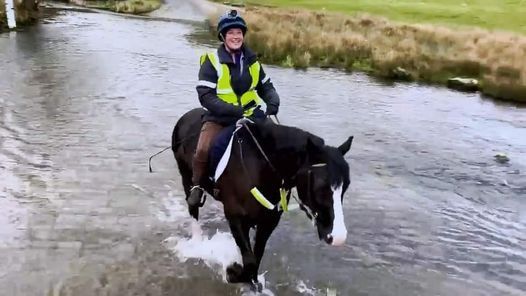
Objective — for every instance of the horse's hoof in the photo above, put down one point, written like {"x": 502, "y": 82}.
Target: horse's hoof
{"x": 194, "y": 212}
{"x": 256, "y": 286}
{"x": 234, "y": 273}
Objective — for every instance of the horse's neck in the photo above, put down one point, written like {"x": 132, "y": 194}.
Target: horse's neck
{"x": 287, "y": 155}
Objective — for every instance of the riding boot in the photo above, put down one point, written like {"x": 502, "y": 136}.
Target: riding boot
{"x": 209, "y": 130}
{"x": 196, "y": 193}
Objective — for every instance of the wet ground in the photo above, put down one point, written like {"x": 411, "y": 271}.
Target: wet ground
{"x": 86, "y": 98}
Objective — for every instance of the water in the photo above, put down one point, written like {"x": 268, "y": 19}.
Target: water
{"x": 87, "y": 98}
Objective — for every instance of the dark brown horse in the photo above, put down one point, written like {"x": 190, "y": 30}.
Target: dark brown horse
{"x": 269, "y": 157}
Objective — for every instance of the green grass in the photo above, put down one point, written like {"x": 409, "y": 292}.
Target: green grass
{"x": 509, "y": 15}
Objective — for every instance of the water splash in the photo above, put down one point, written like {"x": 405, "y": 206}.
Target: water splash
{"x": 304, "y": 290}
{"x": 246, "y": 290}
{"x": 217, "y": 252}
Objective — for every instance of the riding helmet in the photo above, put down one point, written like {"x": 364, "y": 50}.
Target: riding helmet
{"x": 231, "y": 19}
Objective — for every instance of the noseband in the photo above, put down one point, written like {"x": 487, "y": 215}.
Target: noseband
{"x": 312, "y": 215}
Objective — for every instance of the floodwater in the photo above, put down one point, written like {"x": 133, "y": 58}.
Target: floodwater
{"x": 86, "y": 98}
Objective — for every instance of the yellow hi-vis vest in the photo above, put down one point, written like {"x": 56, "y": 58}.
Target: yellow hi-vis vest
{"x": 224, "y": 87}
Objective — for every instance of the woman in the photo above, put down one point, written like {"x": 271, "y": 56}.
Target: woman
{"x": 231, "y": 85}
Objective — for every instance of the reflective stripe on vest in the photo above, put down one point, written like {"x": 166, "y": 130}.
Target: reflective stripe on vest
{"x": 224, "y": 87}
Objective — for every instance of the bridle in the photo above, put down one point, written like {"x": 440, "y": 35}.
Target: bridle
{"x": 288, "y": 184}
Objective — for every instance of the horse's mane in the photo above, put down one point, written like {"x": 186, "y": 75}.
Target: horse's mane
{"x": 287, "y": 139}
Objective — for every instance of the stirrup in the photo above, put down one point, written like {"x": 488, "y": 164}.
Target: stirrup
{"x": 202, "y": 198}
{"x": 196, "y": 186}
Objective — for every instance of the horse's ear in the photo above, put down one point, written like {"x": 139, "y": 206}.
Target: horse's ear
{"x": 346, "y": 146}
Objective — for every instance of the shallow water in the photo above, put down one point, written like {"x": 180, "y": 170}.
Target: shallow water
{"x": 87, "y": 98}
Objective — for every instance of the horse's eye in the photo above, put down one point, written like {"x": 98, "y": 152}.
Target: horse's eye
{"x": 322, "y": 192}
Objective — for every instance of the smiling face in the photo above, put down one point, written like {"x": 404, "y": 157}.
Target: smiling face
{"x": 234, "y": 39}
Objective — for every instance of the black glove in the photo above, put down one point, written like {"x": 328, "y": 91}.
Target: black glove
{"x": 249, "y": 105}
{"x": 272, "y": 110}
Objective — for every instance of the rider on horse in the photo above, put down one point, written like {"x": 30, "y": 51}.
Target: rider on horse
{"x": 231, "y": 85}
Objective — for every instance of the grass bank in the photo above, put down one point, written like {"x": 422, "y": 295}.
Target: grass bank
{"x": 489, "y": 14}
{"x": 135, "y": 6}
{"x": 302, "y": 38}
{"x": 122, "y": 6}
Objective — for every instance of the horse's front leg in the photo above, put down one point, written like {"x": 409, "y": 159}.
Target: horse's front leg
{"x": 248, "y": 272}
{"x": 263, "y": 232}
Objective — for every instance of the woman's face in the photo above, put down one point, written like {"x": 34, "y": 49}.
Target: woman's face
{"x": 234, "y": 39}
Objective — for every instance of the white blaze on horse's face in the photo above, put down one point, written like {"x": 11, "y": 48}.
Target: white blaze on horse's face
{"x": 339, "y": 232}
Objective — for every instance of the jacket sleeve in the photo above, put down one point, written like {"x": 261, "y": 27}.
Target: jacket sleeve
{"x": 207, "y": 92}
{"x": 266, "y": 89}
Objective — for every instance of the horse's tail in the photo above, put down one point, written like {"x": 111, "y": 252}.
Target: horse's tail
{"x": 175, "y": 138}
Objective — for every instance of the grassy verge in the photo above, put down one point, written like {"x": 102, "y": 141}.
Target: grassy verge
{"x": 489, "y": 14}
{"x": 136, "y": 6}
{"x": 123, "y": 6}
{"x": 429, "y": 53}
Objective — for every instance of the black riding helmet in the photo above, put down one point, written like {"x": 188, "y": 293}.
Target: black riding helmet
{"x": 231, "y": 19}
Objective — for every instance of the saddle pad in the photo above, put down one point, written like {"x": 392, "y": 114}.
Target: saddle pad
{"x": 220, "y": 152}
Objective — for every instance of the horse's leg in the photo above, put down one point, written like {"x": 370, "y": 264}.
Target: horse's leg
{"x": 248, "y": 272}
{"x": 186, "y": 176}
{"x": 263, "y": 232}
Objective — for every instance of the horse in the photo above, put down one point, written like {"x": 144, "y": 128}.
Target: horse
{"x": 273, "y": 159}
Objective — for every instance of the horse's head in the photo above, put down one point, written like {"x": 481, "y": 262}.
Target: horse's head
{"x": 321, "y": 183}
{"x": 319, "y": 172}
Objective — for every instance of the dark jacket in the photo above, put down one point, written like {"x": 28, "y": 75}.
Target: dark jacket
{"x": 224, "y": 113}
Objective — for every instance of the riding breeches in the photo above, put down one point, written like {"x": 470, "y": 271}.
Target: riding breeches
{"x": 209, "y": 131}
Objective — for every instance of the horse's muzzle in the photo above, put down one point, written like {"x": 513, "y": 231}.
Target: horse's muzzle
{"x": 336, "y": 240}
